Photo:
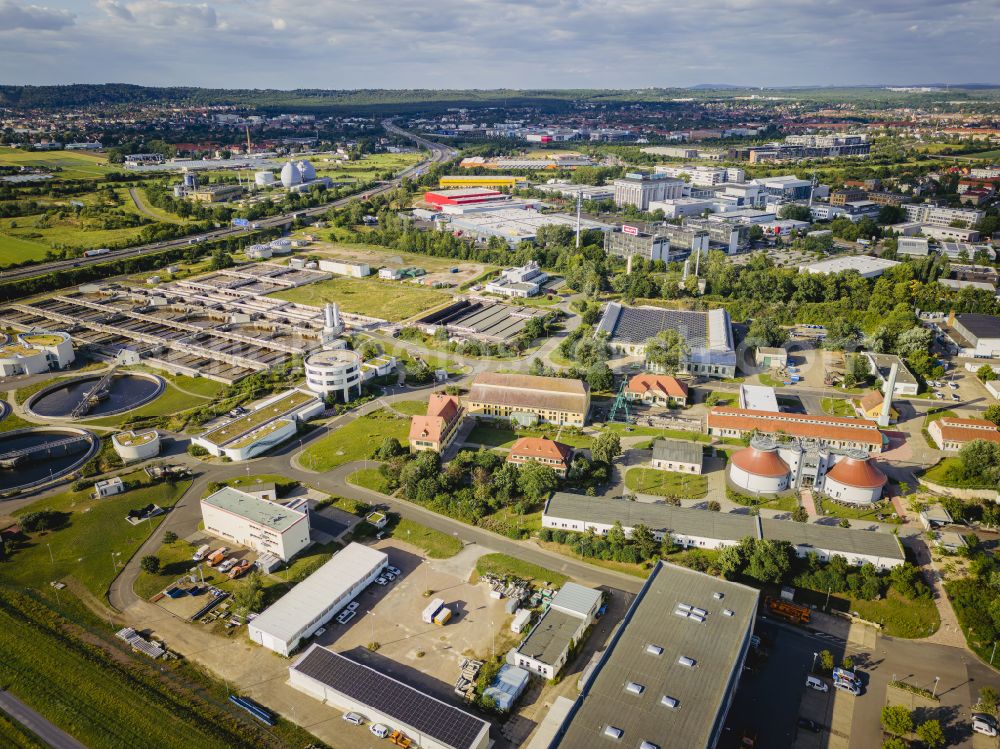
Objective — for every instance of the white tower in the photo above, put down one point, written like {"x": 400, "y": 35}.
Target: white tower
{"x": 889, "y": 388}
{"x": 333, "y": 325}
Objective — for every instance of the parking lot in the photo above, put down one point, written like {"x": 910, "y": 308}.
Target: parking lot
{"x": 424, "y": 655}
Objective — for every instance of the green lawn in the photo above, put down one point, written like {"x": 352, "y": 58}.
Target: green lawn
{"x": 12, "y": 421}
{"x": 770, "y": 381}
{"x": 46, "y": 232}
{"x": 171, "y": 401}
{"x": 387, "y": 300}
{"x": 722, "y": 398}
{"x": 369, "y": 478}
{"x": 941, "y": 413}
{"x": 355, "y": 440}
{"x": 641, "y": 431}
{"x": 202, "y": 386}
{"x": 837, "y": 407}
{"x": 832, "y": 509}
{"x": 503, "y": 564}
{"x": 787, "y": 503}
{"x": 900, "y": 617}
{"x": 71, "y": 164}
{"x": 496, "y": 436}
{"x": 95, "y": 542}
{"x": 410, "y": 408}
{"x": 436, "y": 545}
{"x": 17, "y": 250}
{"x": 666, "y": 483}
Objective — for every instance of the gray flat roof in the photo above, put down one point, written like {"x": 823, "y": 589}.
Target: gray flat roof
{"x": 884, "y": 362}
{"x": 577, "y": 598}
{"x": 682, "y": 451}
{"x": 834, "y": 539}
{"x": 716, "y": 645}
{"x": 445, "y": 724}
{"x": 551, "y": 636}
{"x": 658, "y": 517}
{"x": 980, "y": 326}
{"x": 256, "y": 510}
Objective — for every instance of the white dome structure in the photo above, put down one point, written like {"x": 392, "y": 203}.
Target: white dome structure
{"x": 263, "y": 179}
{"x": 855, "y": 480}
{"x": 759, "y": 468}
{"x": 307, "y": 171}
{"x": 290, "y": 175}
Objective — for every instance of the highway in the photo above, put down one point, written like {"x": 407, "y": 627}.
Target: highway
{"x": 439, "y": 153}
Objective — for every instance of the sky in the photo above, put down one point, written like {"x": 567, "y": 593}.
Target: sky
{"x": 347, "y": 44}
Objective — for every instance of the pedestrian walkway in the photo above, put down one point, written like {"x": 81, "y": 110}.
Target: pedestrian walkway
{"x": 806, "y": 498}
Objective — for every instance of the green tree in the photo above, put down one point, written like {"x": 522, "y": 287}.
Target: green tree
{"x": 931, "y": 734}
{"x": 992, "y": 413}
{"x": 389, "y": 448}
{"x": 985, "y": 373}
{"x": 844, "y": 523}
{"x": 897, "y": 720}
{"x": 615, "y": 536}
{"x": 169, "y": 537}
{"x": 667, "y": 351}
{"x": 249, "y": 594}
{"x": 800, "y": 515}
{"x": 795, "y": 212}
{"x": 606, "y": 447}
{"x": 765, "y": 331}
{"x": 979, "y": 459}
{"x": 894, "y": 743}
{"x": 644, "y": 540}
{"x": 600, "y": 377}
{"x": 150, "y": 563}
{"x": 826, "y": 661}
{"x": 988, "y": 698}
{"x": 536, "y": 481}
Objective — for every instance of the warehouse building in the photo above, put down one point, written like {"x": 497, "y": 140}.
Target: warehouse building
{"x": 341, "y": 268}
{"x": 951, "y": 434}
{"x": 317, "y": 599}
{"x": 981, "y": 333}
{"x": 528, "y": 399}
{"x": 709, "y": 335}
{"x": 518, "y": 282}
{"x": 677, "y": 455}
{"x": 704, "y": 529}
{"x": 480, "y": 319}
{"x": 260, "y": 524}
{"x": 515, "y": 225}
{"x": 464, "y": 196}
{"x": 670, "y": 672}
{"x": 881, "y": 366}
{"x": 477, "y": 180}
{"x": 866, "y": 266}
{"x": 546, "y": 648}
{"x": 349, "y": 686}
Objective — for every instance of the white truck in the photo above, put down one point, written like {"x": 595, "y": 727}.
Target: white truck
{"x": 432, "y": 608}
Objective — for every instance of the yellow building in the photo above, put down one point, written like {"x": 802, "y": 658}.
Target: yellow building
{"x": 527, "y": 399}
{"x": 871, "y": 406}
{"x": 479, "y": 180}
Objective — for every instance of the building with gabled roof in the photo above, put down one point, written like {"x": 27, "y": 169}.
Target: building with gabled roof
{"x": 657, "y": 390}
{"x": 682, "y": 456}
{"x": 951, "y": 434}
{"x": 555, "y": 455}
{"x": 529, "y": 399}
{"x": 829, "y": 431}
{"x": 438, "y": 428}
{"x": 546, "y": 648}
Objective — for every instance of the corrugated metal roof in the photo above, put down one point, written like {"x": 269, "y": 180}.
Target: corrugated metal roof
{"x": 576, "y": 599}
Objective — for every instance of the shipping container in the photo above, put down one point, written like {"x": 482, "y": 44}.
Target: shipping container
{"x": 442, "y": 617}
{"x": 432, "y": 608}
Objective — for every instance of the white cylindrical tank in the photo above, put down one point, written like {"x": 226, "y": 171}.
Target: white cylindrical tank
{"x": 854, "y": 479}
{"x": 281, "y": 246}
{"x": 263, "y": 179}
{"x": 759, "y": 468}
{"x": 136, "y": 445}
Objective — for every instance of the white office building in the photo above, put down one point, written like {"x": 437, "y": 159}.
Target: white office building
{"x": 335, "y": 372}
{"x": 34, "y": 353}
{"x": 546, "y": 648}
{"x": 254, "y": 522}
{"x": 639, "y": 189}
{"x": 518, "y": 282}
{"x": 317, "y": 599}
{"x": 925, "y": 213}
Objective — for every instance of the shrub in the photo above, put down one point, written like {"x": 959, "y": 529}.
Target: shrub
{"x": 169, "y": 537}
{"x": 43, "y": 520}
{"x": 197, "y": 451}
{"x": 150, "y": 563}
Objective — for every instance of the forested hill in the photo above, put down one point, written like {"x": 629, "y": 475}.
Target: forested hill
{"x": 404, "y": 100}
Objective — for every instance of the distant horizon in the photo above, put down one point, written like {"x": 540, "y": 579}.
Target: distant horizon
{"x": 484, "y": 44}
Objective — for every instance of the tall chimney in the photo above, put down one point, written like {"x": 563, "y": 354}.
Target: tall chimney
{"x": 888, "y": 388}
{"x": 628, "y": 266}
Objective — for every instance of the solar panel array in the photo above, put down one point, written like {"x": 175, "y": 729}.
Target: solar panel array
{"x": 446, "y": 724}
{"x": 637, "y": 324}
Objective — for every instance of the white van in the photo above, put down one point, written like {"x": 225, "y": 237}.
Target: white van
{"x": 379, "y": 730}
{"x": 814, "y": 682}
{"x": 354, "y": 718}
{"x": 846, "y": 686}
{"x": 984, "y": 724}
{"x": 201, "y": 553}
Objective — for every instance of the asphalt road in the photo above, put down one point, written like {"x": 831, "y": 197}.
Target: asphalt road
{"x": 439, "y": 153}
{"x": 52, "y": 735}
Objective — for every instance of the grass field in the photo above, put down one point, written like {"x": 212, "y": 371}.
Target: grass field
{"x": 170, "y": 401}
{"x": 503, "y": 564}
{"x": 837, "y": 407}
{"x": 108, "y": 699}
{"x": 436, "y": 545}
{"x": 369, "y": 478}
{"x": 355, "y": 440}
{"x": 67, "y": 164}
{"x": 95, "y": 541}
{"x": 722, "y": 398}
{"x": 42, "y": 234}
{"x": 641, "y": 431}
{"x": 382, "y": 299}
{"x": 832, "y": 509}
{"x": 495, "y": 436}
{"x": 900, "y": 617}
{"x": 17, "y": 736}
{"x": 941, "y": 413}
{"x": 666, "y": 483}
{"x": 16, "y": 250}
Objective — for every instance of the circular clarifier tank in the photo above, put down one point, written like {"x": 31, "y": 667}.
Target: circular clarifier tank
{"x": 92, "y": 397}
{"x": 29, "y": 457}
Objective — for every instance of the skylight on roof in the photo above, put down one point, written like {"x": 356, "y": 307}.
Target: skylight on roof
{"x": 648, "y": 745}
{"x": 634, "y": 687}
{"x": 718, "y": 595}
{"x": 613, "y": 733}
{"x": 728, "y": 612}
{"x": 654, "y": 649}
{"x": 685, "y": 661}
{"x": 670, "y": 702}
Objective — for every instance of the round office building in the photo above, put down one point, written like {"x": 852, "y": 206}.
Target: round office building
{"x": 334, "y": 372}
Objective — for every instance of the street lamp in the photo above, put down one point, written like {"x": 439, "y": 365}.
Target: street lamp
{"x": 815, "y": 655}
{"x": 934, "y": 692}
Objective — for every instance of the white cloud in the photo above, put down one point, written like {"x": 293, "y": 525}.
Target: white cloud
{"x": 162, "y": 13}
{"x": 278, "y": 24}
{"x": 14, "y": 16}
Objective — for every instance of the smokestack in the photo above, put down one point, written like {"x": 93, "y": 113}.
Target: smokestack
{"x": 697, "y": 262}
{"x": 889, "y": 388}
{"x": 628, "y": 266}
{"x": 687, "y": 266}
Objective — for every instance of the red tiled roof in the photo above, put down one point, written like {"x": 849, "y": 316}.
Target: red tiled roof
{"x": 441, "y": 411}
{"x": 859, "y": 473}
{"x": 872, "y": 399}
{"x": 540, "y": 447}
{"x": 760, "y": 462}
{"x": 642, "y": 383}
{"x": 796, "y": 425}
{"x": 967, "y": 430}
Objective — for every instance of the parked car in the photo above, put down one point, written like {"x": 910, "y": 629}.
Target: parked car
{"x": 319, "y": 632}
{"x": 394, "y": 570}
{"x": 345, "y": 616}
{"x": 352, "y": 606}
{"x": 201, "y": 553}
{"x": 379, "y": 730}
{"x": 355, "y": 718}
{"x": 847, "y": 686}
{"x": 814, "y": 682}
{"x": 985, "y": 724}
{"x": 240, "y": 568}
{"x": 228, "y": 564}
{"x": 388, "y": 576}
{"x": 381, "y": 581}
{"x": 954, "y": 397}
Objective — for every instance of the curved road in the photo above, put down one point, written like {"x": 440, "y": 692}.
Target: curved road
{"x": 439, "y": 153}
